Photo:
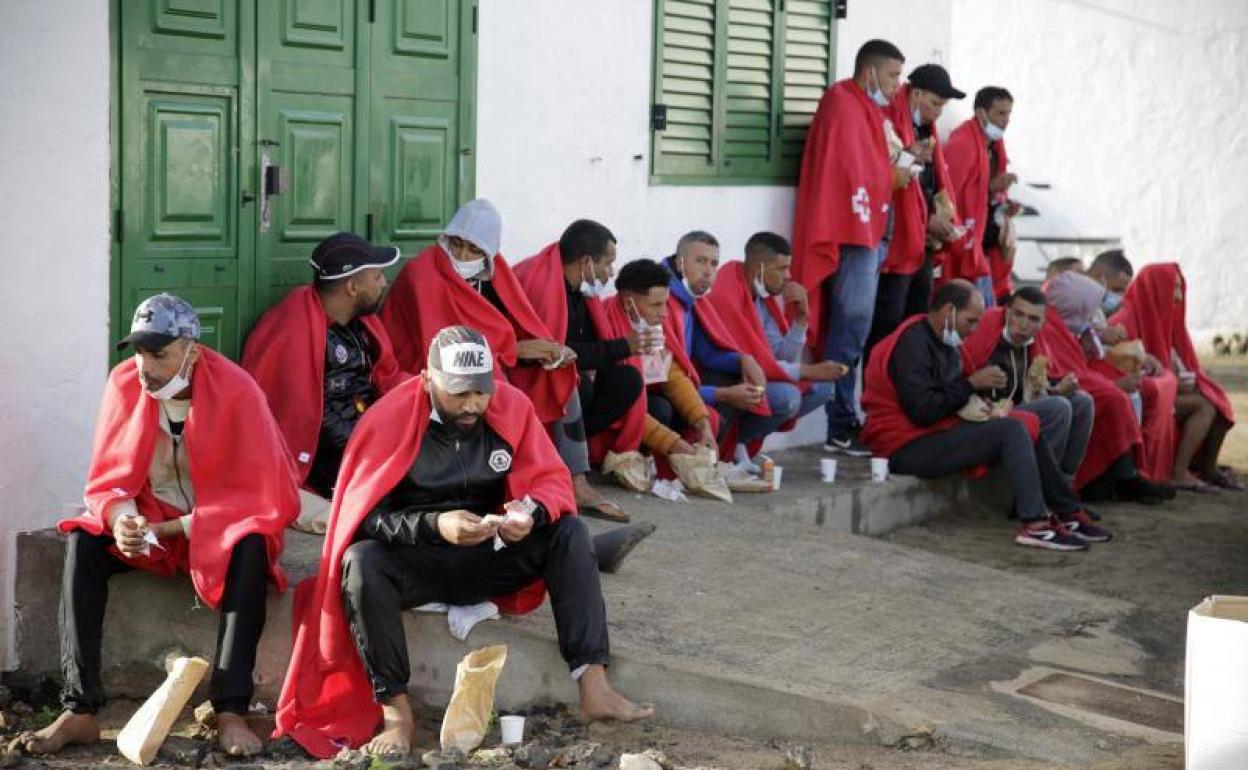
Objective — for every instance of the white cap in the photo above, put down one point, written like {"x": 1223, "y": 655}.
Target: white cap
{"x": 479, "y": 223}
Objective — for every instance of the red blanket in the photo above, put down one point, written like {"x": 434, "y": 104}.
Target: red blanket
{"x": 1150, "y": 313}
{"x": 243, "y": 478}
{"x": 888, "y": 428}
{"x": 732, "y": 297}
{"x": 908, "y": 248}
{"x": 1114, "y": 429}
{"x": 843, "y": 192}
{"x": 966, "y": 154}
{"x": 285, "y": 353}
{"x": 326, "y": 701}
{"x": 429, "y": 295}
{"x": 541, "y": 277}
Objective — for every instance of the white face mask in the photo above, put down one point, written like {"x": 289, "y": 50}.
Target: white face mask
{"x": 951, "y": 336}
{"x": 993, "y": 132}
{"x": 595, "y": 289}
{"x": 688, "y": 287}
{"x": 1111, "y": 302}
{"x": 177, "y": 383}
{"x": 876, "y": 93}
{"x": 470, "y": 269}
{"x": 916, "y": 116}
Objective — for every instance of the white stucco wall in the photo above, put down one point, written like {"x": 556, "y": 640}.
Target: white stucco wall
{"x": 54, "y": 163}
{"x": 564, "y": 96}
{"x": 1138, "y": 104}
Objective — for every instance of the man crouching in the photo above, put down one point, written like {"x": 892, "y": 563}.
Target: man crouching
{"x": 432, "y": 474}
{"x": 189, "y": 473}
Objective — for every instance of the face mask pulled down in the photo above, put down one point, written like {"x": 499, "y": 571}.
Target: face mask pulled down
{"x": 951, "y": 336}
{"x": 177, "y": 383}
{"x": 596, "y": 288}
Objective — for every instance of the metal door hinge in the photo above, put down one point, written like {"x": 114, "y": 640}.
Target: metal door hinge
{"x": 119, "y": 225}
{"x": 842, "y": 9}
{"x": 372, "y": 11}
{"x": 658, "y": 117}
{"x": 474, "y": 19}
{"x": 368, "y": 227}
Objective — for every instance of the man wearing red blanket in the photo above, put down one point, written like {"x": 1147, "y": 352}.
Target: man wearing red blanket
{"x": 920, "y": 414}
{"x": 450, "y": 491}
{"x": 322, "y": 356}
{"x": 841, "y": 220}
{"x": 977, "y": 163}
{"x": 189, "y": 473}
{"x": 461, "y": 278}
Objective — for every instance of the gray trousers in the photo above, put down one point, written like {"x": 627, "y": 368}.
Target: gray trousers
{"x": 1038, "y": 483}
{"x": 1065, "y": 425}
{"x": 569, "y": 437}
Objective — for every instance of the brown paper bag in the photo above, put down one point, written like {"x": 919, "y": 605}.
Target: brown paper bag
{"x": 1127, "y": 357}
{"x": 140, "y": 739}
{"x": 468, "y": 713}
{"x": 699, "y": 472}
{"x": 1036, "y": 385}
{"x": 629, "y": 469}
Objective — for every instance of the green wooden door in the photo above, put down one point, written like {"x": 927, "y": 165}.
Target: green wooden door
{"x": 248, "y": 130}
{"x": 180, "y": 225}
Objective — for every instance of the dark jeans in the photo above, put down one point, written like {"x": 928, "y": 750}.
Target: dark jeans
{"x": 380, "y": 581}
{"x": 608, "y": 396}
{"x": 849, "y": 295}
{"x": 1039, "y": 484}
{"x": 84, "y": 595}
{"x": 897, "y": 298}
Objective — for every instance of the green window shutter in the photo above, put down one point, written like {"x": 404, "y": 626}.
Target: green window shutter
{"x": 809, "y": 59}
{"x": 685, "y": 67}
{"x": 749, "y": 93}
{"x": 736, "y": 83}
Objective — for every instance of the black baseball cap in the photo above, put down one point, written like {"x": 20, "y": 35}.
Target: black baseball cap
{"x": 935, "y": 78}
{"x": 460, "y": 361}
{"x": 344, "y": 254}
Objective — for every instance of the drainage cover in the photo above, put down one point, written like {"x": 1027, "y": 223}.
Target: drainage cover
{"x": 1108, "y": 700}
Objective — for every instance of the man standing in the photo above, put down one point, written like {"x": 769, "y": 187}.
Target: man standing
{"x": 188, "y": 473}
{"x": 462, "y": 277}
{"x": 915, "y": 395}
{"x": 977, "y": 168}
{"x": 434, "y": 473}
{"x": 920, "y": 219}
{"x": 322, "y": 357}
{"x": 564, "y": 283}
{"x": 841, "y": 218}
{"x": 747, "y": 297}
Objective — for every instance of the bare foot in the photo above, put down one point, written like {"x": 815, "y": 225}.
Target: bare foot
{"x": 234, "y": 737}
{"x": 398, "y": 724}
{"x": 590, "y": 501}
{"x": 68, "y": 729}
{"x": 600, "y": 702}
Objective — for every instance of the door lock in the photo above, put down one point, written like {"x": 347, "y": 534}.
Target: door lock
{"x": 275, "y": 180}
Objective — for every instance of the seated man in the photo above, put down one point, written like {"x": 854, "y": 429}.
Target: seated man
{"x": 563, "y": 283}
{"x": 1006, "y": 338}
{"x": 676, "y": 413}
{"x": 322, "y": 356}
{"x": 1154, "y": 310}
{"x": 463, "y": 277}
{"x": 914, "y": 392}
{"x": 733, "y": 381}
{"x": 187, "y": 453}
{"x": 746, "y": 297}
{"x": 425, "y": 475}
{"x": 1109, "y": 470}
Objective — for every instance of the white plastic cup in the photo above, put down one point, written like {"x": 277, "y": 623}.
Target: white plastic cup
{"x": 512, "y": 728}
{"x": 827, "y": 469}
{"x": 777, "y": 473}
{"x": 879, "y": 469}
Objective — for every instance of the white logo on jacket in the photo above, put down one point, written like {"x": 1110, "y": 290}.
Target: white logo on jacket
{"x": 861, "y": 203}
{"x": 500, "y": 461}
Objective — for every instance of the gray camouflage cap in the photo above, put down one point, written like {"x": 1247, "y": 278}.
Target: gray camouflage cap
{"x": 159, "y": 320}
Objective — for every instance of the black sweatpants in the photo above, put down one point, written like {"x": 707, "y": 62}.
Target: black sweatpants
{"x": 897, "y": 297}
{"x": 1039, "y": 484}
{"x": 608, "y": 396}
{"x": 379, "y": 581}
{"x": 84, "y": 595}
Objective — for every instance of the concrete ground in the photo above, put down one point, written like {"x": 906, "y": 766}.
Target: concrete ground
{"x": 769, "y": 622}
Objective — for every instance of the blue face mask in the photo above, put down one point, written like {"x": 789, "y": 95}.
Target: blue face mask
{"x": 951, "y": 336}
{"x": 1111, "y": 302}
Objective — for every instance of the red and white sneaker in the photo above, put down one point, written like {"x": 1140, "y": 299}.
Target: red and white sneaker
{"x": 1050, "y": 534}
{"x": 1083, "y": 527}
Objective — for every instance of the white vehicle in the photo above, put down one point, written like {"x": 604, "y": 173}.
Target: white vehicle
{"x": 1055, "y": 223}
